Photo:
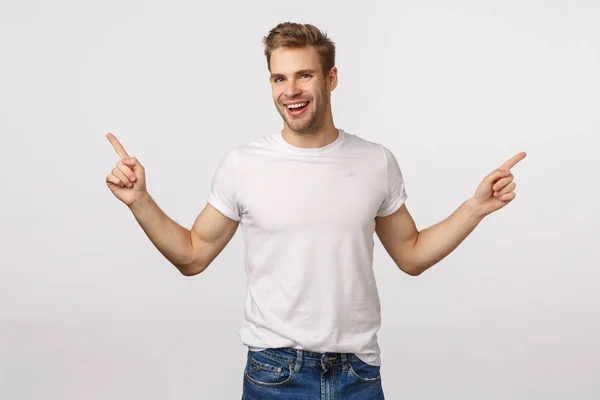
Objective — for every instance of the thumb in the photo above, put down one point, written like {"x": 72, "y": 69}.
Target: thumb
{"x": 497, "y": 175}
{"x": 130, "y": 162}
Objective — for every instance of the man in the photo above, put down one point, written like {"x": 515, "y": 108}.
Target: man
{"x": 309, "y": 199}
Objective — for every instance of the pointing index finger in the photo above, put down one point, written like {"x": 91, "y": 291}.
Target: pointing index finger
{"x": 512, "y": 161}
{"x": 117, "y": 146}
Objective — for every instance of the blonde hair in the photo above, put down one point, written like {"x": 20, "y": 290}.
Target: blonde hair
{"x": 295, "y": 35}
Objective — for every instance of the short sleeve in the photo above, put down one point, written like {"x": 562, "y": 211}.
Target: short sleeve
{"x": 396, "y": 192}
{"x": 223, "y": 192}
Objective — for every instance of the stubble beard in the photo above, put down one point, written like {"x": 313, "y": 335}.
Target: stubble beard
{"x": 311, "y": 123}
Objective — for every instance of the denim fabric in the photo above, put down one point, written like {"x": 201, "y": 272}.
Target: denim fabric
{"x": 290, "y": 374}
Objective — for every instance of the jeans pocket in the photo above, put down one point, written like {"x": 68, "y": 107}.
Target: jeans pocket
{"x": 262, "y": 370}
{"x": 363, "y": 372}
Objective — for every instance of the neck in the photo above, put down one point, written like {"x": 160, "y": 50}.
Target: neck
{"x": 321, "y": 136}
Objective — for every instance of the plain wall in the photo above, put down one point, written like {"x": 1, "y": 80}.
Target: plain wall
{"x": 89, "y": 309}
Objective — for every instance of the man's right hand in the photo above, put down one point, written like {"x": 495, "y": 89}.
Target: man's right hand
{"x": 127, "y": 180}
{"x": 191, "y": 251}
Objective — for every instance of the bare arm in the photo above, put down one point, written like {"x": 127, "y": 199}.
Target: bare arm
{"x": 414, "y": 252}
{"x": 190, "y": 251}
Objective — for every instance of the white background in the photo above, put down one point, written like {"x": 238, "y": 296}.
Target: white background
{"x": 89, "y": 309}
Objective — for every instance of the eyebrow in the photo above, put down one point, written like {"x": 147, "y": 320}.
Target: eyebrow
{"x": 302, "y": 71}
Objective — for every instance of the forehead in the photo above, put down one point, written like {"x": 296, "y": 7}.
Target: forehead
{"x": 286, "y": 60}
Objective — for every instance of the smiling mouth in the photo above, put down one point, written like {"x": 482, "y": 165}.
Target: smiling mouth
{"x": 297, "y": 108}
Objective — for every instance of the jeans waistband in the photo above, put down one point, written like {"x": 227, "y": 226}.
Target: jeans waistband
{"x": 311, "y": 358}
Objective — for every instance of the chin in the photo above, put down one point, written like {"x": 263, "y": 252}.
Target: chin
{"x": 301, "y": 127}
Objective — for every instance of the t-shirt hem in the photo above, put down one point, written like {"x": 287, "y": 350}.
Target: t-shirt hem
{"x": 394, "y": 207}
{"x": 223, "y": 209}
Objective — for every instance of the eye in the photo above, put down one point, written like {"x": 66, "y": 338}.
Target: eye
{"x": 306, "y": 76}
{"x": 278, "y": 80}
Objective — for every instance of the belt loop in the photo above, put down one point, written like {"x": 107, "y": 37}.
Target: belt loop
{"x": 298, "y": 362}
{"x": 344, "y": 363}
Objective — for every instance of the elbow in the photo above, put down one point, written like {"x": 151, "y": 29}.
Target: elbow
{"x": 194, "y": 264}
{"x": 412, "y": 270}
{"x": 191, "y": 269}
{"x": 189, "y": 272}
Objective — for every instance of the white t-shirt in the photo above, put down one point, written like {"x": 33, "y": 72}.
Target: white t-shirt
{"x": 308, "y": 221}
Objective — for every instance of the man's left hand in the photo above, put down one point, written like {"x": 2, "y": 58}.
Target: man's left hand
{"x": 497, "y": 189}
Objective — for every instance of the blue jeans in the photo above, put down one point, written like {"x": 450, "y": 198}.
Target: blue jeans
{"x": 290, "y": 374}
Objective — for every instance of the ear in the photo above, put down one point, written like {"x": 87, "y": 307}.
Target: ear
{"x": 332, "y": 78}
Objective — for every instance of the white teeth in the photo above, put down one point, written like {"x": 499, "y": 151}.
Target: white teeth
{"x": 292, "y": 106}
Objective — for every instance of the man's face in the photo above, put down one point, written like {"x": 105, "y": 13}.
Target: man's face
{"x": 300, "y": 90}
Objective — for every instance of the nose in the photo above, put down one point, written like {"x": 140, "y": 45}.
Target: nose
{"x": 292, "y": 89}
